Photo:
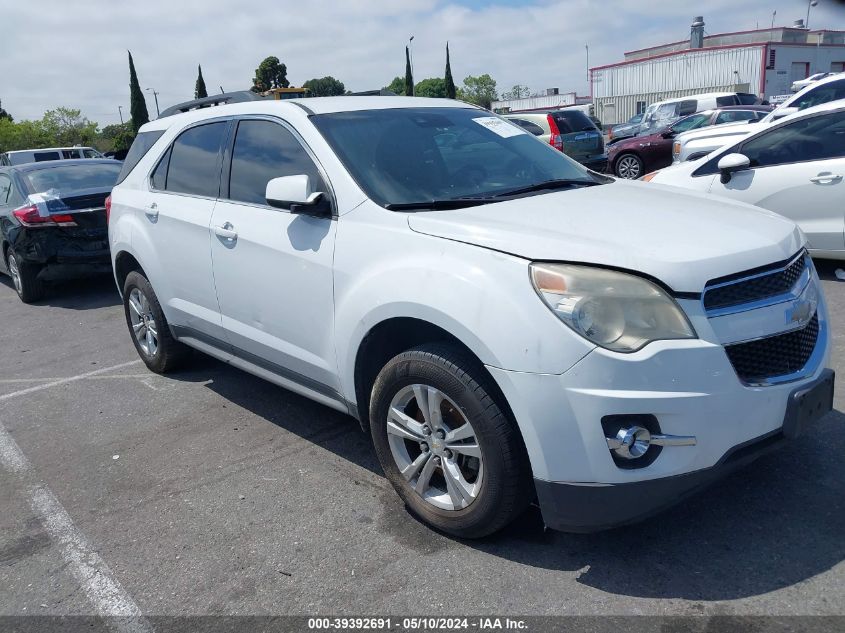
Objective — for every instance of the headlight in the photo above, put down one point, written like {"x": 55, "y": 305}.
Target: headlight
{"x": 649, "y": 176}
{"x": 621, "y": 312}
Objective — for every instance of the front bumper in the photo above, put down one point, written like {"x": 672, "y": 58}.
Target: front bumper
{"x": 575, "y": 507}
{"x": 689, "y": 387}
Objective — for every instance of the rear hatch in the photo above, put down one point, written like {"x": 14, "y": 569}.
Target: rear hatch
{"x": 581, "y": 139}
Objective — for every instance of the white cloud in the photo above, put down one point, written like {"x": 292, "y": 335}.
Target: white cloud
{"x": 74, "y": 54}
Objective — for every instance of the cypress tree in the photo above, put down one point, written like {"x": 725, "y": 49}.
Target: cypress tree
{"x": 137, "y": 105}
{"x": 199, "y": 89}
{"x": 409, "y": 78}
{"x": 451, "y": 92}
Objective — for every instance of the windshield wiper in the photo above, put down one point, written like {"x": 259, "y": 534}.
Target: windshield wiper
{"x": 548, "y": 185}
{"x": 438, "y": 205}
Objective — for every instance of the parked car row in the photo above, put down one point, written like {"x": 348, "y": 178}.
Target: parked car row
{"x": 635, "y": 156}
{"x": 794, "y": 167}
{"x": 20, "y": 157}
{"x": 507, "y": 324}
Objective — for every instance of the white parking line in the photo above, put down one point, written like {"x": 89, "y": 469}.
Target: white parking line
{"x": 102, "y": 589}
{"x": 63, "y": 381}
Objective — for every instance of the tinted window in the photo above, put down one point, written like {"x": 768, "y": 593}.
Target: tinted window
{"x": 194, "y": 161}
{"x": 140, "y": 146}
{"x": 746, "y": 98}
{"x": 73, "y": 176}
{"x": 265, "y": 150}
{"x": 813, "y": 138}
{"x": 732, "y": 116}
{"x": 821, "y": 94}
{"x": 42, "y": 156}
{"x": 691, "y": 122}
{"x": 5, "y": 189}
{"x": 726, "y": 101}
{"x": 687, "y": 107}
{"x": 572, "y": 121}
{"x": 528, "y": 126}
{"x": 159, "y": 177}
{"x": 412, "y": 155}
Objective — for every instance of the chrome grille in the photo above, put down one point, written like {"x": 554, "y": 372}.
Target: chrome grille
{"x": 754, "y": 288}
{"x": 774, "y": 356}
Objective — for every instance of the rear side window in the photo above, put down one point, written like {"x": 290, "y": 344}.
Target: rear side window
{"x": 825, "y": 93}
{"x": 140, "y": 146}
{"x": 42, "y": 156}
{"x": 265, "y": 150}
{"x": 721, "y": 102}
{"x": 528, "y": 126}
{"x": 732, "y": 116}
{"x": 195, "y": 161}
{"x": 688, "y": 107}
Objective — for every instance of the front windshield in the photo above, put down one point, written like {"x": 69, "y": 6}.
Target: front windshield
{"x": 412, "y": 155}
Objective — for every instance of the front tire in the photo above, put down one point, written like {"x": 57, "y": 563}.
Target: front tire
{"x": 629, "y": 166}
{"x": 445, "y": 445}
{"x": 25, "y": 278}
{"x": 148, "y": 326}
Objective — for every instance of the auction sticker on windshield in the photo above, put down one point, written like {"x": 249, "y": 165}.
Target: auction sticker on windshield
{"x": 499, "y": 126}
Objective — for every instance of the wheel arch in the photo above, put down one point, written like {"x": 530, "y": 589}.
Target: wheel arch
{"x": 125, "y": 263}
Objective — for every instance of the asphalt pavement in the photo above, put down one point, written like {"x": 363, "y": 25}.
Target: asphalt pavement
{"x": 212, "y": 492}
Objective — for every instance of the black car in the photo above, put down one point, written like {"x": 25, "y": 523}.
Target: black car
{"x": 53, "y": 221}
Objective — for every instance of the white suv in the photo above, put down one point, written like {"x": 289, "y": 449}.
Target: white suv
{"x": 508, "y": 325}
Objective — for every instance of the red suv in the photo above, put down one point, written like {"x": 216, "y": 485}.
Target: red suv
{"x": 634, "y": 157}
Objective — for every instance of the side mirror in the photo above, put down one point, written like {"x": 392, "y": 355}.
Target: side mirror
{"x": 668, "y": 134}
{"x": 782, "y": 112}
{"x": 294, "y": 193}
{"x": 731, "y": 163}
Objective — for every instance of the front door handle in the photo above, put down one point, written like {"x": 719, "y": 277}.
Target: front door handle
{"x": 826, "y": 177}
{"x": 152, "y": 212}
{"x": 227, "y": 232}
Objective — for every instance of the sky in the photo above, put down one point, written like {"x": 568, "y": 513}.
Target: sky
{"x": 73, "y": 54}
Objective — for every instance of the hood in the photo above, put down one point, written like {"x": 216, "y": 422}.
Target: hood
{"x": 635, "y": 141}
{"x": 681, "y": 238}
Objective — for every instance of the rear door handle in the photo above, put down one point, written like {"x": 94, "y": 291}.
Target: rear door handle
{"x": 822, "y": 178}
{"x": 227, "y": 232}
{"x": 152, "y": 211}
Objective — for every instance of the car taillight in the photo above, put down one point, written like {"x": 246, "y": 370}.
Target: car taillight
{"x": 555, "y": 140}
{"x": 108, "y": 208}
{"x": 28, "y": 216}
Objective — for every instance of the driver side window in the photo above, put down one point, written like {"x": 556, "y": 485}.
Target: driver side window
{"x": 815, "y": 138}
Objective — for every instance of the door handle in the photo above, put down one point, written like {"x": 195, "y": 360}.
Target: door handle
{"x": 823, "y": 178}
{"x": 227, "y": 232}
{"x": 152, "y": 212}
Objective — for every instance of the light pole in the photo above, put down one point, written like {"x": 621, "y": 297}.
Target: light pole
{"x": 155, "y": 96}
{"x": 411, "y": 55}
{"x": 120, "y": 110}
{"x": 810, "y": 5}
{"x": 589, "y": 83}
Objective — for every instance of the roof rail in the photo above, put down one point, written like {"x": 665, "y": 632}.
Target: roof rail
{"x": 214, "y": 100}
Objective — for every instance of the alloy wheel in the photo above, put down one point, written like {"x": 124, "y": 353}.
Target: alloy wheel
{"x": 435, "y": 447}
{"x": 143, "y": 322}
{"x": 15, "y": 273}
{"x": 628, "y": 167}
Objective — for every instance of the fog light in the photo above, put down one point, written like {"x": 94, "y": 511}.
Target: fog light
{"x": 631, "y": 442}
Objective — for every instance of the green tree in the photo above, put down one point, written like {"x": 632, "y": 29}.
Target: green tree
{"x": 21, "y": 135}
{"x": 199, "y": 90}
{"x": 67, "y": 126}
{"x": 396, "y": 86}
{"x": 479, "y": 90}
{"x": 517, "y": 92}
{"x": 137, "y": 104}
{"x": 271, "y": 73}
{"x": 432, "y": 87}
{"x": 117, "y": 137}
{"x": 4, "y": 114}
{"x": 409, "y": 77}
{"x": 451, "y": 92}
{"x": 325, "y": 87}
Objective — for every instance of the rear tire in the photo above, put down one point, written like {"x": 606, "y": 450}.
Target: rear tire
{"x": 628, "y": 166}
{"x": 148, "y": 326}
{"x": 465, "y": 468}
{"x": 25, "y": 278}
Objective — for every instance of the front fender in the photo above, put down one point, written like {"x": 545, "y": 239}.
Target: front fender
{"x": 482, "y": 297}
